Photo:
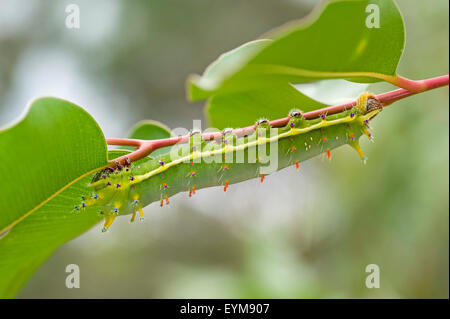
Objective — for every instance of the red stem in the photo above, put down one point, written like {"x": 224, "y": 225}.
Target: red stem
{"x": 145, "y": 147}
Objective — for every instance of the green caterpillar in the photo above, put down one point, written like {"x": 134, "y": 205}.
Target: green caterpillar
{"x": 199, "y": 163}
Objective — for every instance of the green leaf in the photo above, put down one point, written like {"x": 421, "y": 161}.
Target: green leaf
{"x": 333, "y": 42}
{"x": 278, "y": 101}
{"x": 332, "y": 92}
{"x": 50, "y": 157}
{"x": 253, "y": 105}
{"x": 150, "y": 130}
{"x": 225, "y": 66}
{"x": 55, "y": 143}
{"x": 47, "y": 162}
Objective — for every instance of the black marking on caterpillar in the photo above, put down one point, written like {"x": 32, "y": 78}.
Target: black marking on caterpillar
{"x": 126, "y": 191}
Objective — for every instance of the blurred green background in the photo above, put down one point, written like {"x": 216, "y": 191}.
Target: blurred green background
{"x": 307, "y": 234}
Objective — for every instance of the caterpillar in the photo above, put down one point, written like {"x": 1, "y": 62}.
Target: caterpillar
{"x": 129, "y": 187}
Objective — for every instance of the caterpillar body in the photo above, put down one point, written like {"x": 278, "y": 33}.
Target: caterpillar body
{"x": 199, "y": 164}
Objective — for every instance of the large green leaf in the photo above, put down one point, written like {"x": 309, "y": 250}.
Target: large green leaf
{"x": 333, "y": 42}
{"x": 47, "y": 161}
{"x": 55, "y": 143}
{"x": 224, "y": 67}
{"x": 50, "y": 157}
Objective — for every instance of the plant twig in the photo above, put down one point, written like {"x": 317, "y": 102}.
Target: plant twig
{"x": 145, "y": 147}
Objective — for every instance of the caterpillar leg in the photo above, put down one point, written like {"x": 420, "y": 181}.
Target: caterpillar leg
{"x": 108, "y": 221}
{"x": 357, "y": 148}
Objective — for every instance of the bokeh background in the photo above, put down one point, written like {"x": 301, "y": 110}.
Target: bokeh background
{"x": 307, "y": 234}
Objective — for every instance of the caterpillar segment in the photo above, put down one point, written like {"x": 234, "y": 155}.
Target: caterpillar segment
{"x": 198, "y": 164}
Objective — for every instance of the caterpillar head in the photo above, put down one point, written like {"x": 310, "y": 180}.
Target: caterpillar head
{"x": 368, "y": 103}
